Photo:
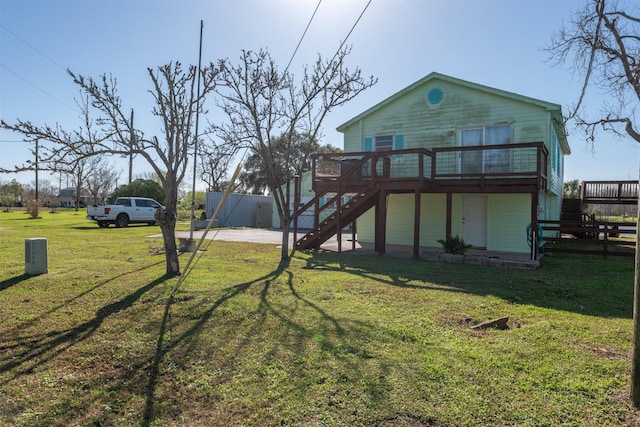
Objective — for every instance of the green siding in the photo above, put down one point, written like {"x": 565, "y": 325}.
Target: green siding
{"x": 306, "y": 193}
{"x": 425, "y": 125}
{"x": 366, "y": 226}
{"x": 433, "y": 219}
{"x": 507, "y": 218}
{"x": 400, "y": 218}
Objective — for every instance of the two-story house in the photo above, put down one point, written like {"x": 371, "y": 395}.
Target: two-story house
{"x": 444, "y": 157}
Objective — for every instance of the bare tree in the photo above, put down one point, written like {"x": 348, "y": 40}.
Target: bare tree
{"x": 46, "y": 191}
{"x": 214, "y": 159}
{"x": 289, "y": 155}
{"x": 78, "y": 169}
{"x": 261, "y": 102}
{"x": 107, "y": 129}
{"x": 101, "y": 179}
{"x": 603, "y": 42}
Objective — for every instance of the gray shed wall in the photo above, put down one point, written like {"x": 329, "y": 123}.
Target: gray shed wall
{"x": 240, "y": 210}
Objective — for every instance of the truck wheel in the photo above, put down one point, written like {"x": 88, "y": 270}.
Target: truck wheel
{"x": 103, "y": 224}
{"x": 122, "y": 220}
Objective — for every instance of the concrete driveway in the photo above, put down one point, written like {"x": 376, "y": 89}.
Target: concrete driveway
{"x": 240, "y": 234}
{"x": 269, "y": 236}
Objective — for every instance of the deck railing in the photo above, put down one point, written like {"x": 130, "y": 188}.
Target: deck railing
{"x": 590, "y": 237}
{"x": 609, "y": 192}
{"x": 525, "y": 161}
{"x": 491, "y": 161}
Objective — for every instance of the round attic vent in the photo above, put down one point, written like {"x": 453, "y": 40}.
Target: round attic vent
{"x": 435, "y": 96}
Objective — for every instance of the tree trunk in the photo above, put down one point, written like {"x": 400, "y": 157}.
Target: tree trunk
{"x": 167, "y": 222}
{"x": 284, "y": 256}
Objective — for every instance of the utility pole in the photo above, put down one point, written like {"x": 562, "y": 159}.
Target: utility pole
{"x": 37, "y": 147}
{"x": 195, "y": 146}
{"x": 131, "y": 142}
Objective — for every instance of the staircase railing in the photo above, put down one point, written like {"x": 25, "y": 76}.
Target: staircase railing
{"x": 325, "y": 211}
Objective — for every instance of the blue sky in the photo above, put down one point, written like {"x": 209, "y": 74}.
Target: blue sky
{"x": 497, "y": 43}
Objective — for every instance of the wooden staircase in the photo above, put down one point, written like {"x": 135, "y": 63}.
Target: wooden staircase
{"x": 333, "y": 215}
{"x": 346, "y": 214}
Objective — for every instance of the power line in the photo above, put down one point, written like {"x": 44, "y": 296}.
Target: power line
{"x": 302, "y": 37}
{"x": 39, "y": 88}
{"x": 48, "y": 58}
{"x": 34, "y": 48}
{"x": 351, "y": 30}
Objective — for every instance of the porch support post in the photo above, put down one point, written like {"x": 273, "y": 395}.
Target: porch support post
{"x": 534, "y": 226}
{"x": 381, "y": 223}
{"x": 338, "y": 219}
{"x": 416, "y": 223}
{"x": 353, "y": 235}
{"x": 449, "y": 214}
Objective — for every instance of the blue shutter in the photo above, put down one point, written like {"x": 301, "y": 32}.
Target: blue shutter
{"x": 368, "y": 144}
{"x": 398, "y": 143}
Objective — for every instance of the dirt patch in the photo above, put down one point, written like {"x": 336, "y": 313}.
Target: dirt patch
{"x": 408, "y": 421}
{"x": 607, "y": 352}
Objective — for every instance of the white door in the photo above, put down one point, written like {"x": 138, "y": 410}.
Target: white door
{"x": 474, "y": 220}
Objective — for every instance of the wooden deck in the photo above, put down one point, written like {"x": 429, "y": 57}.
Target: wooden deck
{"x": 609, "y": 192}
{"x": 510, "y": 168}
{"x": 366, "y": 178}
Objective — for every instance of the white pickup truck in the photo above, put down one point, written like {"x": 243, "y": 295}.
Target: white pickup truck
{"x": 125, "y": 211}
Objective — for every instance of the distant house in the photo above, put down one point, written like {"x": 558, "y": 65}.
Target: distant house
{"x": 67, "y": 197}
{"x": 444, "y": 157}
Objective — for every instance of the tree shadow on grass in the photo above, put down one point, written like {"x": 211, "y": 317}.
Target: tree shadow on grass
{"x": 597, "y": 287}
{"x": 40, "y": 349}
{"x": 78, "y": 296}
{"x": 291, "y": 334}
{"x": 164, "y": 346}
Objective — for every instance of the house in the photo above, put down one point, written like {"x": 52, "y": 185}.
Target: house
{"x": 67, "y": 197}
{"x": 444, "y": 157}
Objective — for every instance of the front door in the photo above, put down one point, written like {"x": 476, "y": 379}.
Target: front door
{"x": 474, "y": 220}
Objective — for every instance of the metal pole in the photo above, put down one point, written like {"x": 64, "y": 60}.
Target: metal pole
{"x": 635, "y": 352}
{"x": 211, "y": 223}
{"x": 195, "y": 146}
{"x": 37, "y": 147}
{"x": 131, "y": 142}
{"x": 296, "y": 205}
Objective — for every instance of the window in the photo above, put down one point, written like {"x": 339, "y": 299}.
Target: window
{"x": 485, "y": 161}
{"x": 384, "y": 143}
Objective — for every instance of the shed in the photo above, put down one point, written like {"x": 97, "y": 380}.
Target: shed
{"x": 240, "y": 210}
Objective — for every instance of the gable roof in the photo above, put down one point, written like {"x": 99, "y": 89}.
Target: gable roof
{"x": 554, "y": 109}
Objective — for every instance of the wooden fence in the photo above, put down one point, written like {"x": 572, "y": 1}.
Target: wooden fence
{"x": 590, "y": 237}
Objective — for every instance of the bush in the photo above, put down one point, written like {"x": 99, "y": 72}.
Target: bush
{"x": 32, "y": 206}
{"x": 454, "y": 245}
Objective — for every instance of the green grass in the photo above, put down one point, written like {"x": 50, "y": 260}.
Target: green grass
{"x": 332, "y": 340}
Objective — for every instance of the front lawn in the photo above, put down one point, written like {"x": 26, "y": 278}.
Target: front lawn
{"x": 332, "y": 340}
